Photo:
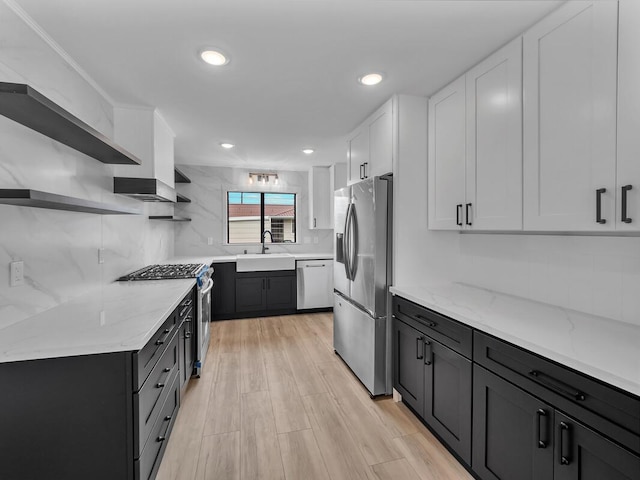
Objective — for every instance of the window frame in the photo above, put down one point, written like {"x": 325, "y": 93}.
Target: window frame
{"x": 225, "y": 205}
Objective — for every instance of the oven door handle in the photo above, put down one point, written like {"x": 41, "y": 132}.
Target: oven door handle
{"x": 208, "y": 288}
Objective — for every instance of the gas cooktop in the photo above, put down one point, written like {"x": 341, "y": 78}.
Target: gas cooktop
{"x": 163, "y": 272}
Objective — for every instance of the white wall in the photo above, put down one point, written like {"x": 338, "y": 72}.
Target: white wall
{"x": 60, "y": 249}
{"x": 598, "y": 275}
{"x": 207, "y": 210}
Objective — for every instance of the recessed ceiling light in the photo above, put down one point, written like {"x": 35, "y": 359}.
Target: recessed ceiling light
{"x": 214, "y": 57}
{"x": 227, "y": 145}
{"x": 308, "y": 151}
{"x": 370, "y": 79}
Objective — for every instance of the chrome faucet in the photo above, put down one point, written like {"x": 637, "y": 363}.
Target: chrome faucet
{"x": 264, "y": 234}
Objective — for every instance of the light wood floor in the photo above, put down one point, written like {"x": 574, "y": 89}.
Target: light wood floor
{"x": 275, "y": 402}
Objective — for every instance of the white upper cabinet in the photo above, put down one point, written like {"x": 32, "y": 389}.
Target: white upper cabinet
{"x": 628, "y": 168}
{"x": 570, "y": 119}
{"x": 320, "y": 198}
{"x": 371, "y": 146}
{"x": 494, "y": 141}
{"x": 446, "y": 158}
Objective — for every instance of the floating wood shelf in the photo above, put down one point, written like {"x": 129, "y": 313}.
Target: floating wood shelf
{"x": 182, "y": 198}
{"x": 181, "y": 177}
{"x": 35, "y": 198}
{"x": 169, "y": 218}
{"x": 23, "y": 104}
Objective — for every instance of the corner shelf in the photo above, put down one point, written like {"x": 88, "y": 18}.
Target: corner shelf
{"x": 169, "y": 218}
{"x": 36, "y": 198}
{"x": 182, "y": 199}
{"x": 24, "y": 105}
{"x": 180, "y": 177}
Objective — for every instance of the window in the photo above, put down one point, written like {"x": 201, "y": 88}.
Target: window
{"x": 250, "y": 214}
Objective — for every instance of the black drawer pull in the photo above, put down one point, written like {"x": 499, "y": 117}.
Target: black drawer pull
{"x": 166, "y": 370}
{"x": 167, "y": 418}
{"x": 467, "y": 214}
{"x": 565, "y": 444}
{"x": 541, "y": 414}
{"x": 624, "y": 218}
{"x": 161, "y": 439}
{"x": 558, "y": 386}
{"x": 184, "y": 311}
{"x": 458, "y": 211}
{"x": 419, "y": 351}
{"x": 427, "y": 354}
{"x": 159, "y": 342}
{"x": 159, "y": 385}
{"x": 167, "y": 330}
{"x": 187, "y": 303}
{"x": 187, "y": 335}
{"x": 429, "y": 322}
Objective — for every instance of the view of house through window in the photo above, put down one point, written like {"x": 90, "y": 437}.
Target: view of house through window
{"x": 249, "y": 214}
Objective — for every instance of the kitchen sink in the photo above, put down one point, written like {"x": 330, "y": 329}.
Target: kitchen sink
{"x": 258, "y": 262}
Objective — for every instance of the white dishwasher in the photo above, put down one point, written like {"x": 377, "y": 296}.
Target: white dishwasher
{"x": 315, "y": 284}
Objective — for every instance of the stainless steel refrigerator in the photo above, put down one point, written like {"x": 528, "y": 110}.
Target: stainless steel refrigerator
{"x": 361, "y": 269}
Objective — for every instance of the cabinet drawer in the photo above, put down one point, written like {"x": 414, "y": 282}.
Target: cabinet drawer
{"x": 611, "y": 411}
{"x": 451, "y": 333}
{"x": 146, "y": 359}
{"x": 148, "y": 401}
{"x": 147, "y": 465}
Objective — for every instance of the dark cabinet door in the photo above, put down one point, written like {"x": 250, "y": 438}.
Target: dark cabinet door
{"x": 281, "y": 292}
{"x": 408, "y": 366}
{"x": 512, "y": 431}
{"x": 223, "y": 294}
{"x": 582, "y": 454}
{"x": 251, "y": 294}
{"x": 447, "y": 396}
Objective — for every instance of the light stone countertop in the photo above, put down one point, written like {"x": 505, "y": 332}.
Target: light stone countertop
{"x": 118, "y": 317}
{"x": 298, "y": 256}
{"x": 605, "y": 349}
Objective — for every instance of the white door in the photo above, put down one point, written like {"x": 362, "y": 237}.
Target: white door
{"x": 628, "y": 172}
{"x": 494, "y": 141}
{"x": 358, "y": 155}
{"x": 446, "y": 163}
{"x": 381, "y": 142}
{"x": 569, "y": 66}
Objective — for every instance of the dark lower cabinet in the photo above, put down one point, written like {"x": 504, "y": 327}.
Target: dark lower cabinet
{"x": 408, "y": 366}
{"x": 265, "y": 292}
{"x": 435, "y": 382}
{"x": 223, "y": 294}
{"x": 519, "y": 437}
{"x": 582, "y": 454}
{"x": 512, "y": 431}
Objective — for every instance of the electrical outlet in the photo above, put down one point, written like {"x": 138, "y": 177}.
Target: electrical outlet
{"x": 103, "y": 318}
{"x": 315, "y": 240}
{"x": 101, "y": 256}
{"x": 209, "y": 240}
{"x": 17, "y": 274}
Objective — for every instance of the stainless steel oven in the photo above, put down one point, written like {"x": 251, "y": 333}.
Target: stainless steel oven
{"x": 205, "y": 284}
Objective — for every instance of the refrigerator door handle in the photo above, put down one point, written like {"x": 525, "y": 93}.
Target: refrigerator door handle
{"x": 345, "y": 243}
{"x": 353, "y": 261}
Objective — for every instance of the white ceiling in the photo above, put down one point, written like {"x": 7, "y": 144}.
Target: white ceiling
{"x": 291, "y": 82}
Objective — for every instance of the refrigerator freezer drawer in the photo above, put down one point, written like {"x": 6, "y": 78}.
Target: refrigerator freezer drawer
{"x": 361, "y": 342}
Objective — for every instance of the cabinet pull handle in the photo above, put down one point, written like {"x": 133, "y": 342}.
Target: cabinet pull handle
{"x": 624, "y": 218}
{"x": 187, "y": 335}
{"x": 161, "y": 439}
{"x": 467, "y": 215}
{"x": 458, "y": 212}
{"x": 361, "y": 174}
{"x": 263, "y": 284}
{"x": 159, "y": 385}
{"x": 159, "y": 342}
{"x": 565, "y": 444}
{"x": 427, "y": 353}
{"x": 429, "y": 322}
{"x": 365, "y": 164}
{"x": 166, "y": 370}
{"x": 167, "y": 418}
{"x": 419, "y": 351}
{"x": 599, "y": 218}
{"x": 541, "y": 414}
{"x": 314, "y": 223}
{"x": 558, "y": 386}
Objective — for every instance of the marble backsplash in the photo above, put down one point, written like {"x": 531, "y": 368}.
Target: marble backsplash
{"x": 207, "y": 211}
{"x": 60, "y": 249}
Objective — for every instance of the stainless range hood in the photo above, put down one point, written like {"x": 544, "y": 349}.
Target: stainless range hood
{"x": 144, "y": 189}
